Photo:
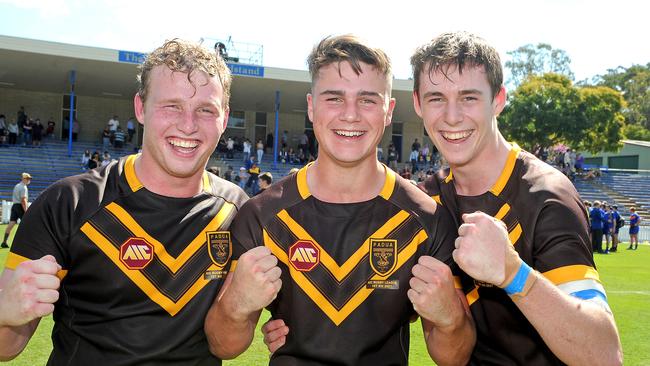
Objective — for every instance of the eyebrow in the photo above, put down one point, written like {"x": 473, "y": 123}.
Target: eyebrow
{"x": 362, "y": 93}
{"x": 462, "y": 92}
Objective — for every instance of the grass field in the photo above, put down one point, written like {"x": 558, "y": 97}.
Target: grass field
{"x": 625, "y": 275}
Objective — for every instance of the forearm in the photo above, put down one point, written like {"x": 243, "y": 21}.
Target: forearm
{"x": 578, "y": 332}
{"x": 229, "y": 333}
{"x": 453, "y": 345}
{"x": 14, "y": 339}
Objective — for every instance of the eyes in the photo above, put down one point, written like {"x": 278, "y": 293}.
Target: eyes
{"x": 362, "y": 101}
{"x": 205, "y": 111}
{"x": 465, "y": 99}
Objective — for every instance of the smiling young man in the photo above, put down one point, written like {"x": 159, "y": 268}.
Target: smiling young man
{"x": 534, "y": 291}
{"x": 130, "y": 257}
{"x": 361, "y": 251}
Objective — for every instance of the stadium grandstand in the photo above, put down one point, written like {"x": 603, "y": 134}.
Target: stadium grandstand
{"x": 55, "y": 80}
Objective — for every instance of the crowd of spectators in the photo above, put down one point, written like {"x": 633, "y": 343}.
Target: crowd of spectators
{"x": 24, "y": 130}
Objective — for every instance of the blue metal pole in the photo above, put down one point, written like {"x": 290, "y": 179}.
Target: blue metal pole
{"x": 71, "y": 117}
{"x": 277, "y": 129}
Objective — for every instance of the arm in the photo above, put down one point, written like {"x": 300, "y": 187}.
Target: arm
{"x": 26, "y": 295}
{"x": 577, "y": 331}
{"x": 446, "y": 321}
{"x": 23, "y": 202}
{"x": 231, "y": 320}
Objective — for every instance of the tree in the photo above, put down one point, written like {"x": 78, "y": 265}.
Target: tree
{"x": 537, "y": 60}
{"x": 547, "y": 110}
{"x": 634, "y": 84}
{"x": 636, "y": 132}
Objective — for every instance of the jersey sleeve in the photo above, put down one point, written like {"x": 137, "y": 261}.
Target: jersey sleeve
{"x": 44, "y": 229}
{"x": 444, "y": 234}
{"x": 562, "y": 251}
{"x": 246, "y": 229}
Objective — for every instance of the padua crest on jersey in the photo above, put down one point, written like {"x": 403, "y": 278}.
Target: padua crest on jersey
{"x": 136, "y": 253}
{"x": 219, "y": 247}
{"x": 304, "y": 255}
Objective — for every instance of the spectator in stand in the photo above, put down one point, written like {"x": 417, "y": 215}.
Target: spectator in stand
{"x": 580, "y": 162}
{"x": 635, "y": 220}
{"x": 50, "y": 127}
{"x": 21, "y": 119}
{"x": 618, "y": 223}
{"x": 393, "y": 156}
{"x": 247, "y": 149}
{"x": 269, "y": 142}
{"x": 413, "y": 158}
{"x": 241, "y": 178}
{"x": 13, "y": 132}
{"x": 228, "y": 174}
{"x": 425, "y": 154}
{"x": 230, "y": 148}
{"x": 597, "y": 222}
{"x": 415, "y": 146}
{"x": 27, "y": 132}
{"x": 94, "y": 161}
{"x": 37, "y": 132}
{"x": 303, "y": 144}
{"x": 20, "y": 198}
{"x": 76, "y": 128}
{"x": 253, "y": 181}
{"x": 85, "y": 158}
{"x": 3, "y": 125}
{"x": 106, "y": 159}
{"x": 284, "y": 139}
{"x": 112, "y": 125}
{"x": 106, "y": 138}
{"x": 119, "y": 138}
{"x": 265, "y": 180}
{"x": 66, "y": 129}
{"x": 260, "y": 150}
{"x": 130, "y": 128}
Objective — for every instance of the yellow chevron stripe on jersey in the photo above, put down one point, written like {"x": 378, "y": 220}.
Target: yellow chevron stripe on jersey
{"x": 172, "y": 307}
{"x": 472, "y": 296}
{"x": 507, "y": 170}
{"x": 389, "y": 183}
{"x": 457, "y": 283}
{"x": 571, "y": 273}
{"x": 129, "y": 173}
{"x": 335, "y": 314}
{"x": 301, "y": 181}
{"x": 13, "y": 260}
{"x": 341, "y": 272}
{"x": 174, "y": 264}
{"x": 437, "y": 199}
{"x": 503, "y": 211}
{"x": 515, "y": 233}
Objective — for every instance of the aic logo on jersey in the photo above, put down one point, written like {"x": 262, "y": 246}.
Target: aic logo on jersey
{"x": 219, "y": 247}
{"x": 136, "y": 253}
{"x": 383, "y": 255}
{"x": 304, "y": 255}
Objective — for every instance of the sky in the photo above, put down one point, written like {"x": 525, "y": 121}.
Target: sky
{"x": 598, "y": 35}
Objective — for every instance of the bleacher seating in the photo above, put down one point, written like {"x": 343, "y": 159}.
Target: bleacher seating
{"x": 47, "y": 164}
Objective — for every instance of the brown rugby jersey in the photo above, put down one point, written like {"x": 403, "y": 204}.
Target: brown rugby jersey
{"x": 548, "y": 226}
{"x": 140, "y": 270}
{"x": 345, "y": 267}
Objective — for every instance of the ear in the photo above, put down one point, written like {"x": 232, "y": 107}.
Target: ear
{"x": 500, "y": 101}
{"x": 416, "y": 104}
{"x": 310, "y": 107}
{"x": 389, "y": 114}
{"x": 138, "y": 105}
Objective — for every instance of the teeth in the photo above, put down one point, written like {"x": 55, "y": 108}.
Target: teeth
{"x": 349, "y": 133}
{"x": 456, "y": 135}
{"x": 183, "y": 143}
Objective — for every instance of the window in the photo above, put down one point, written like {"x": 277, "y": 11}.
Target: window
{"x": 237, "y": 119}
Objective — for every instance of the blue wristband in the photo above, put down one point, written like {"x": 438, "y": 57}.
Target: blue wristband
{"x": 518, "y": 283}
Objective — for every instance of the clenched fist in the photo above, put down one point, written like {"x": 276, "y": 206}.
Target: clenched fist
{"x": 30, "y": 291}
{"x": 256, "y": 280}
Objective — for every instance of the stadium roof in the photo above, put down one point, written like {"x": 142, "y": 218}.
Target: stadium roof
{"x": 637, "y": 142}
{"x": 44, "y": 66}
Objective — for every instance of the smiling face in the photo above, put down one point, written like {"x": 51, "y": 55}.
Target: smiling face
{"x": 349, "y": 112}
{"x": 459, "y": 114}
{"x": 182, "y": 121}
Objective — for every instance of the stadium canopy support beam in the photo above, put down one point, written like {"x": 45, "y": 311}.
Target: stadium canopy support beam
{"x": 73, "y": 77}
{"x": 277, "y": 129}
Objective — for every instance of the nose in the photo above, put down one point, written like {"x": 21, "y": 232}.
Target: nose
{"x": 350, "y": 112}
{"x": 187, "y": 122}
{"x": 453, "y": 113}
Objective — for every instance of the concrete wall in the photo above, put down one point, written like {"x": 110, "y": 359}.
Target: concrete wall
{"x": 628, "y": 149}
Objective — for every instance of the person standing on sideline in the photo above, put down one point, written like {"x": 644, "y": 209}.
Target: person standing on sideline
{"x": 20, "y": 199}
{"x": 635, "y": 220}
{"x": 617, "y": 226}
{"x": 129, "y": 257}
{"x": 130, "y": 128}
{"x": 597, "y": 224}
{"x": 260, "y": 151}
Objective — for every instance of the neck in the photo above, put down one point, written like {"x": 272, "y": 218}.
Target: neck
{"x": 480, "y": 175}
{"x": 158, "y": 181}
{"x": 333, "y": 183}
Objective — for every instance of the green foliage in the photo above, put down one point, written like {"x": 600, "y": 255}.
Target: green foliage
{"x": 531, "y": 60}
{"x": 636, "y": 132}
{"x": 547, "y": 110}
{"x": 634, "y": 84}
